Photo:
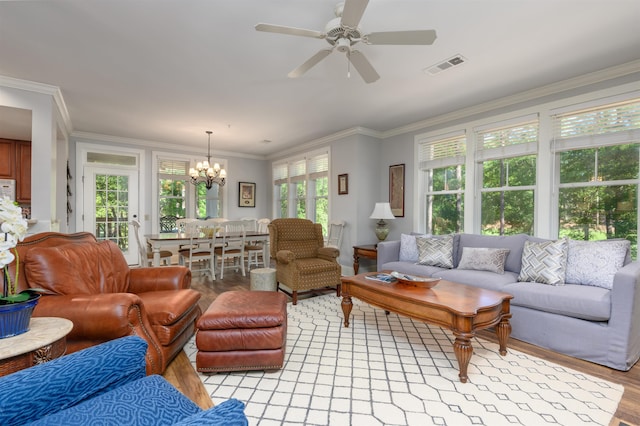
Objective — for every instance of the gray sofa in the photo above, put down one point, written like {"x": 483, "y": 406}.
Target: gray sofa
{"x": 589, "y": 322}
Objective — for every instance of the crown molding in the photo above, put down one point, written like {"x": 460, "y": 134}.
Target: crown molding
{"x": 44, "y": 89}
{"x": 154, "y": 145}
{"x": 325, "y": 140}
{"x": 529, "y": 95}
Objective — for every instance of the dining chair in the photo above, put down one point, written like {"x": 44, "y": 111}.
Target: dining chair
{"x": 199, "y": 255}
{"x": 256, "y": 249}
{"x": 146, "y": 255}
{"x": 334, "y": 233}
{"x": 233, "y": 235}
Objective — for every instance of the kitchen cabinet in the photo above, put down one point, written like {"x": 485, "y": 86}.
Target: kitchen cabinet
{"x": 7, "y": 159}
{"x": 23, "y": 172}
{"x": 15, "y": 163}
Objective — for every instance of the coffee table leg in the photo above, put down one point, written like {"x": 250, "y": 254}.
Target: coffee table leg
{"x": 346, "y": 309}
{"x": 503, "y": 331}
{"x": 463, "y": 350}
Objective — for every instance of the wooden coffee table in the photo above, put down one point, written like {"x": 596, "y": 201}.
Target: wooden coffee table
{"x": 461, "y": 308}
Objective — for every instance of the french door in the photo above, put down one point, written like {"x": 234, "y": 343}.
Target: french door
{"x": 110, "y": 203}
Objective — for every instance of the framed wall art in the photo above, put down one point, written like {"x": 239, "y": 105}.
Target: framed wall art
{"x": 246, "y": 194}
{"x": 396, "y": 189}
{"x": 343, "y": 184}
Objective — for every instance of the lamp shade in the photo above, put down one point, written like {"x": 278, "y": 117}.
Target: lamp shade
{"x": 382, "y": 211}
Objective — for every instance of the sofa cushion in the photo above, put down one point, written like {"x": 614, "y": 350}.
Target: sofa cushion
{"x": 408, "y": 248}
{"x": 78, "y": 268}
{"x": 150, "y": 400}
{"x": 515, "y": 244}
{"x": 595, "y": 262}
{"x": 544, "y": 262}
{"x": 228, "y": 413}
{"x": 573, "y": 300}
{"x": 483, "y": 259}
{"x": 435, "y": 251}
{"x": 44, "y": 389}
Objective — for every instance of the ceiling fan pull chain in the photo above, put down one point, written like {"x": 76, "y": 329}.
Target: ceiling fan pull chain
{"x": 348, "y": 64}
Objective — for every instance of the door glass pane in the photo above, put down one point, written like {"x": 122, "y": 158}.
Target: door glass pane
{"x": 112, "y": 209}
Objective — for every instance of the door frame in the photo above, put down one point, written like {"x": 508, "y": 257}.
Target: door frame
{"x": 82, "y": 150}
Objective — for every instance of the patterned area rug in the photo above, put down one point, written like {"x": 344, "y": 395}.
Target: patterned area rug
{"x": 391, "y": 370}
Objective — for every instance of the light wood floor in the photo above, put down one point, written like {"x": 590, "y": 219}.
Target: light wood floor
{"x": 182, "y": 375}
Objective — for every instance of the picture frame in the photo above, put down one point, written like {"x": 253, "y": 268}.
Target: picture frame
{"x": 396, "y": 189}
{"x": 343, "y": 184}
{"x": 246, "y": 194}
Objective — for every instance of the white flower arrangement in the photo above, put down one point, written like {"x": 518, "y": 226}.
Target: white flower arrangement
{"x": 14, "y": 229}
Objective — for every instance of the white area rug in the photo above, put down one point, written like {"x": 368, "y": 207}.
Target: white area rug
{"x": 391, "y": 370}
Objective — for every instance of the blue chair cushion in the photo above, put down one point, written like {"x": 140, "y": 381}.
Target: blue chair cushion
{"x": 151, "y": 400}
{"x": 44, "y": 389}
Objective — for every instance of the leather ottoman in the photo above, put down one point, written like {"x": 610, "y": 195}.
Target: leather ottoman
{"x": 242, "y": 330}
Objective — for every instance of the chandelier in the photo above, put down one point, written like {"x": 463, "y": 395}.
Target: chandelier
{"x": 205, "y": 172}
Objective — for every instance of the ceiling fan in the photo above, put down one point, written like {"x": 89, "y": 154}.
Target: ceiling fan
{"x": 343, "y": 32}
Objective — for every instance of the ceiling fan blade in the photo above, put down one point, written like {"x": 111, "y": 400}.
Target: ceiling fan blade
{"x": 310, "y": 63}
{"x": 362, "y": 65}
{"x": 270, "y": 28}
{"x": 419, "y": 37}
{"x": 352, "y": 12}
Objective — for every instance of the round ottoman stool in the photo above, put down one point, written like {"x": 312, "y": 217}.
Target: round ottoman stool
{"x": 263, "y": 279}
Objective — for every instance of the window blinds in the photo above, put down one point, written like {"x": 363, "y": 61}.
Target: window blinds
{"x": 508, "y": 139}
{"x": 173, "y": 167}
{"x": 611, "y": 124}
{"x": 448, "y": 151}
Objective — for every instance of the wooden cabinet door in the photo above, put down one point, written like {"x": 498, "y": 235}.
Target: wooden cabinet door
{"x": 23, "y": 178}
{"x": 7, "y": 159}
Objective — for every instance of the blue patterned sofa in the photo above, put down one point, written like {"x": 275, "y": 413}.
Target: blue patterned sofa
{"x": 106, "y": 385}
{"x": 580, "y": 298}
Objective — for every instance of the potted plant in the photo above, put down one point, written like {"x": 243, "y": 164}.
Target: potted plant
{"x": 15, "y": 308}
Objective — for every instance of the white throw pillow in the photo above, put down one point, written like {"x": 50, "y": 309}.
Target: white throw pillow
{"x": 435, "y": 251}
{"x": 544, "y": 262}
{"x": 408, "y": 248}
{"x": 595, "y": 263}
{"x": 483, "y": 259}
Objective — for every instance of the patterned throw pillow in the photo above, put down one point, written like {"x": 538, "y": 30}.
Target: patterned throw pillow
{"x": 408, "y": 248}
{"x": 483, "y": 259}
{"x": 595, "y": 262}
{"x": 544, "y": 262}
{"x": 435, "y": 251}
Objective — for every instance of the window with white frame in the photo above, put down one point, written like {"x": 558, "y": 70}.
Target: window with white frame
{"x": 172, "y": 192}
{"x": 598, "y": 158}
{"x": 442, "y": 170}
{"x": 301, "y": 188}
{"x": 506, "y": 154}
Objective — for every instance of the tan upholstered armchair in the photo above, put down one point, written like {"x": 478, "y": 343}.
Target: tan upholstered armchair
{"x": 302, "y": 261}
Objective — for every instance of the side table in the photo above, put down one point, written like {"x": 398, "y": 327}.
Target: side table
{"x": 369, "y": 251}
{"x": 45, "y": 340}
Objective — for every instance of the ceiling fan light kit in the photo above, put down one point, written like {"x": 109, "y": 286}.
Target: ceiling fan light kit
{"x": 343, "y": 32}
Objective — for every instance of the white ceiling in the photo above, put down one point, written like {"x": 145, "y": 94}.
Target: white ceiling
{"x": 167, "y": 70}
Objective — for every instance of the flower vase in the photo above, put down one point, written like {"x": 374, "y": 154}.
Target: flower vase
{"x": 15, "y": 317}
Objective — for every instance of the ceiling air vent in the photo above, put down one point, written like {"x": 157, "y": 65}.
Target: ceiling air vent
{"x": 449, "y": 63}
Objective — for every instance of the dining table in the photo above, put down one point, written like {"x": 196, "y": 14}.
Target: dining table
{"x": 172, "y": 239}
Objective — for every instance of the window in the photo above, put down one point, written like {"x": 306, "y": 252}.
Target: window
{"x": 301, "y": 188}
{"x": 443, "y": 173}
{"x": 506, "y": 155}
{"x": 208, "y": 201}
{"x": 598, "y": 157}
{"x": 172, "y": 193}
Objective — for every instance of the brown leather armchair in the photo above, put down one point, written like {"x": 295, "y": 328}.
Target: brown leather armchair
{"x": 302, "y": 261}
{"x": 91, "y": 284}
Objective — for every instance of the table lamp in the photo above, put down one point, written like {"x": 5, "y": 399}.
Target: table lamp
{"x": 382, "y": 211}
